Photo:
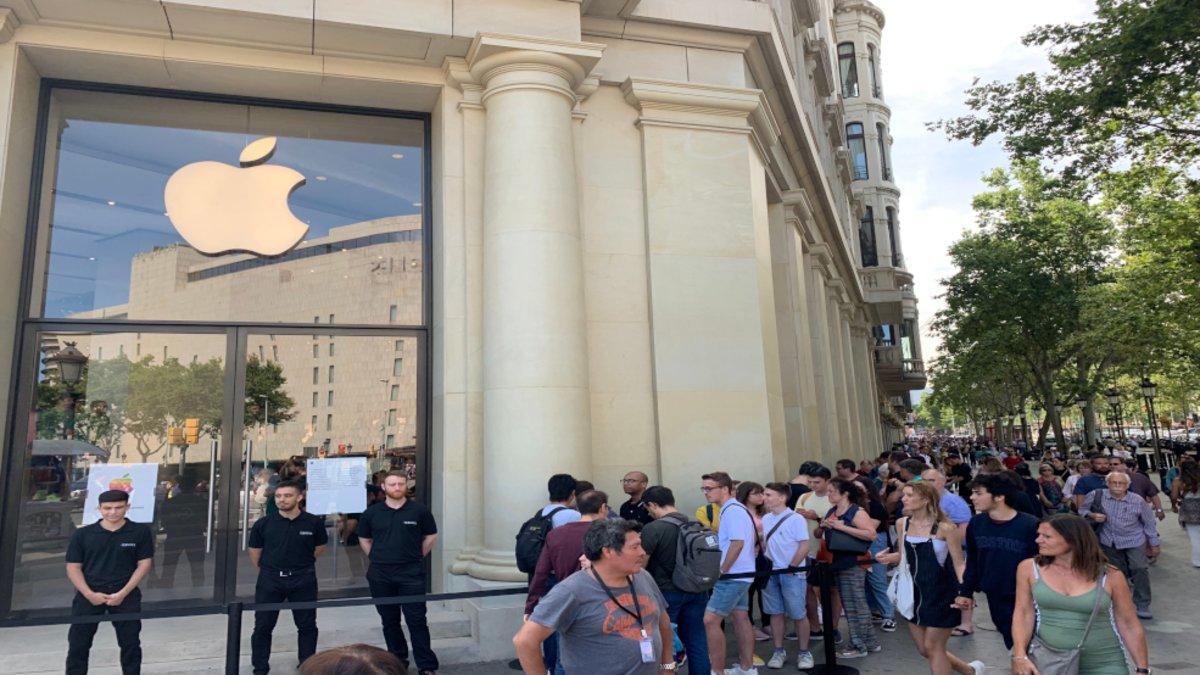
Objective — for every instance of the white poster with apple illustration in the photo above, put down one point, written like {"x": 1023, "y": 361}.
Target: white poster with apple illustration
{"x": 139, "y": 480}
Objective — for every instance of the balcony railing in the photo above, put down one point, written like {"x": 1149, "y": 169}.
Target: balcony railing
{"x": 915, "y": 367}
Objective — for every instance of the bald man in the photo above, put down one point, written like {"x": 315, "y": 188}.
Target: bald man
{"x": 634, "y": 484}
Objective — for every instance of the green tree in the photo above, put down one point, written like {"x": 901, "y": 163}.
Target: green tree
{"x": 1122, "y": 86}
{"x": 1014, "y": 305}
{"x": 265, "y": 378}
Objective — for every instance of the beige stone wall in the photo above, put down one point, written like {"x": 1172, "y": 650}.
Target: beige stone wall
{"x": 677, "y": 173}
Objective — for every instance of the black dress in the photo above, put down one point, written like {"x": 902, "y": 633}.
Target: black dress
{"x": 934, "y": 584}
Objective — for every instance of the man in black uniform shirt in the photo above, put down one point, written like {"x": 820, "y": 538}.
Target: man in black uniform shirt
{"x": 397, "y": 534}
{"x": 105, "y": 562}
{"x": 284, "y": 547}
{"x": 634, "y": 483}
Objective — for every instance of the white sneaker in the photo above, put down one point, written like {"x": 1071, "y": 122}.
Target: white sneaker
{"x": 777, "y": 659}
{"x": 977, "y": 666}
{"x": 804, "y": 660}
{"x": 737, "y": 670}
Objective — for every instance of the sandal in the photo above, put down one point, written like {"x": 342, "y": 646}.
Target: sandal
{"x": 961, "y": 632}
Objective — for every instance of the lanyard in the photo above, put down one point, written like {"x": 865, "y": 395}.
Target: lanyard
{"x": 636, "y": 612}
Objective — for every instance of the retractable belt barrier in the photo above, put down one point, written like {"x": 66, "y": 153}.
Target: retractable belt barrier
{"x": 234, "y": 611}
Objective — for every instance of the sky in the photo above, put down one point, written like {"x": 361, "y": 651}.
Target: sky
{"x": 932, "y": 51}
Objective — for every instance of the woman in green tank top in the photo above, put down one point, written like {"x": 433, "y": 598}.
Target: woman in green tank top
{"x": 1056, "y": 594}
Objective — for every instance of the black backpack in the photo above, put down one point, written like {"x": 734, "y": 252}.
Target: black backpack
{"x": 531, "y": 539}
{"x": 697, "y": 557}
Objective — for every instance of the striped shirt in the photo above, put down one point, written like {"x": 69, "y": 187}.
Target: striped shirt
{"x": 1129, "y": 521}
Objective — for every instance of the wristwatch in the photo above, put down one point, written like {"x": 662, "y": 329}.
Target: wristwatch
{"x": 1142, "y": 670}
{"x": 668, "y": 666}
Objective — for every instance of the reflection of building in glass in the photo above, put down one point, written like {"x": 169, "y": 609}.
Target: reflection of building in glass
{"x": 351, "y": 397}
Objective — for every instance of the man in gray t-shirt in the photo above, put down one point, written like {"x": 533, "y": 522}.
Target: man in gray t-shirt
{"x": 596, "y": 615}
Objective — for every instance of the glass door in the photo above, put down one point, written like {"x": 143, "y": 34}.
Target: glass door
{"x": 321, "y": 394}
{"x": 141, "y": 412}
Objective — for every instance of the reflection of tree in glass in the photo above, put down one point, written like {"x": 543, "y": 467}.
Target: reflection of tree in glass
{"x": 99, "y": 393}
{"x": 265, "y": 378}
{"x": 168, "y": 393}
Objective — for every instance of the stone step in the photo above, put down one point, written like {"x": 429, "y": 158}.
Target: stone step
{"x": 188, "y": 644}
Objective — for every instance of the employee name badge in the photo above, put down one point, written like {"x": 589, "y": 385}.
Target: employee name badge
{"x": 647, "y": 646}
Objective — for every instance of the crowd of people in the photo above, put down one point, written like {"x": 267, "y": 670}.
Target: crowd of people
{"x": 913, "y": 537}
{"x": 916, "y": 535}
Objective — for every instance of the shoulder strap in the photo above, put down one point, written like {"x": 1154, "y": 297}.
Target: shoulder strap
{"x": 782, "y": 520}
{"x": 1095, "y": 607}
{"x": 1037, "y": 574}
{"x": 550, "y": 516}
{"x": 708, "y": 511}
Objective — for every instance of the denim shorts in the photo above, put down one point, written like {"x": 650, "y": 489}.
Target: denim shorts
{"x": 729, "y": 595}
{"x": 786, "y": 594}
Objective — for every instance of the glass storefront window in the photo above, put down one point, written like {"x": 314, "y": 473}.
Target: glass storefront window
{"x": 111, "y": 250}
{"x": 149, "y": 426}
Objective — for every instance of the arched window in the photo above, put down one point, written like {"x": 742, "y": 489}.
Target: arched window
{"x": 866, "y": 239}
{"x": 885, "y": 161}
{"x": 848, "y": 69}
{"x": 858, "y": 149}
{"x": 897, "y": 261}
{"x": 874, "y": 68}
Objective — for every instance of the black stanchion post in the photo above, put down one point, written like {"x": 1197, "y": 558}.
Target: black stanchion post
{"x": 233, "y": 639}
{"x": 825, "y": 581}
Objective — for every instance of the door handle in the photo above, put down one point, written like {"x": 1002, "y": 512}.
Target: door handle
{"x": 212, "y": 485}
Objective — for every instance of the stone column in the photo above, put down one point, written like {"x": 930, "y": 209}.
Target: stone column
{"x": 535, "y": 375}
{"x": 833, "y": 327}
{"x": 854, "y": 427}
{"x": 822, "y": 355}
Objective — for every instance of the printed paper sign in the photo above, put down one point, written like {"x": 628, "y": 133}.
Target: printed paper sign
{"x": 138, "y": 480}
{"x": 337, "y": 485}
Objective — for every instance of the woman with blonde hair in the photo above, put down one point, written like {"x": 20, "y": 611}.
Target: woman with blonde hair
{"x": 933, "y": 554}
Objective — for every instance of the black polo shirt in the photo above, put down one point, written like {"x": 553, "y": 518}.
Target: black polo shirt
{"x": 288, "y": 544}
{"x": 110, "y": 558}
{"x": 396, "y": 534}
{"x": 636, "y": 512}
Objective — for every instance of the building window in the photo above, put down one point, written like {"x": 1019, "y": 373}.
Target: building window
{"x": 393, "y": 313}
{"x": 316, "y": 351}
{"x": 331, "y": 349}
{"x": 99, "y": 357}
{"x": 316, "y": 319}
{"x": 391, "y": 417}
{"x": 897, "y": 261}
{"x": 866, "y": 239}
{"x": 394, "y": 394}
{"x": 885, "y": 161}
{"x": 874, "y": 68}
{"x": 313, "y": 424}
{"x": 848, "y": 68}
{"x": 331, "y": 319}
{"x": 400, "y": 346}
{"x": 137, "y": 349}
{"x": 907, "y": 330}
{"x": 858, "y": 150}
{"x": 330, "y": 374}
{"x": 390, "y": 441}
{"x": 316, "y": 400}
{"x": 275, "y": 353}
{"x": 329, "y": 422}
{"x": 316, "y": 374}
{"x": 329, "y": 398}
{"x": 397, "y": 367}
{"x": 165, "y": 357}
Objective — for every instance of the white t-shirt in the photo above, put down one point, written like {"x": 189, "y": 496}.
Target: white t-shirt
{"x": 815, "y": 502}
{"x": 567, "y": 515}
{"x": 782, "y": 546}
{"x": 737, "y": 525}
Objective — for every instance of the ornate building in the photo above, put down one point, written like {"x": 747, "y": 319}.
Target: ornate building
{"x": 659, "y": 235}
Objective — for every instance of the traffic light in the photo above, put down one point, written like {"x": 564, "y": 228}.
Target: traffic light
{"x": 191, "y": 427}
{"x": 175, "y": 436}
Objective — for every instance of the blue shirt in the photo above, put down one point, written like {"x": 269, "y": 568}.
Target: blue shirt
{"x": 1085, "y": 485}
{"x": 955, "y": 507}
{"x": 994, "y": 549}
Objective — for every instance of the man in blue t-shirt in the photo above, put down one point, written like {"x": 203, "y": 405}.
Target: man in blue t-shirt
{"x": 998, "y": 539}
{"x": 1093, "y": 481}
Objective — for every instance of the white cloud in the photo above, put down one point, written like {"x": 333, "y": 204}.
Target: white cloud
{"x": 932, "y": 51}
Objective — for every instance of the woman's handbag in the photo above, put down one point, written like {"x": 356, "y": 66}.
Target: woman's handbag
{"x": 900, "y": 588}
{"x": 842, "y": 542}
{"x": 1051, "y": 661}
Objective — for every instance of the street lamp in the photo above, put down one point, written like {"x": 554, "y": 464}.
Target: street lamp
{"x": 1114, "y": 400}
{"x": 1149, "y": 390}
{"x": 70, "y": 362}
{"x": 1082, "y": 401}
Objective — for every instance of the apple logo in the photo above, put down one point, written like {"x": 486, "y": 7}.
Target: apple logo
{"x": 219, "y": 208}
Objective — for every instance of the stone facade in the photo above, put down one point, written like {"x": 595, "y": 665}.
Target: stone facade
{"x": 646, "y": 246}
